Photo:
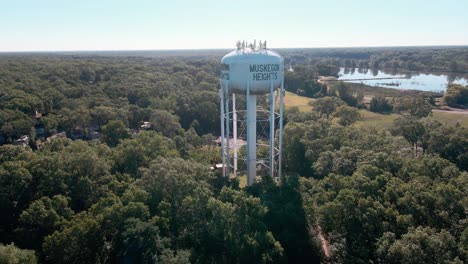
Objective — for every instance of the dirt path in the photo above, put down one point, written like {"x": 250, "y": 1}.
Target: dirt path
{"x": 324, "y": 243}
{"x": 316, "y": 231}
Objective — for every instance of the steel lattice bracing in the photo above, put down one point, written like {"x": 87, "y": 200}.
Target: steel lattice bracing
{"x": 251, "y": 136}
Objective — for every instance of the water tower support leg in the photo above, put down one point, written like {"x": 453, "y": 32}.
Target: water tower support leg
{"x": 228, "y": 160}
{"x": 272, "y": 131}
{"x": 234, "y": 132}
{"x": 251, "y": 137}
{"x": 223, "y": 151}
{"x": 280, "y": 147}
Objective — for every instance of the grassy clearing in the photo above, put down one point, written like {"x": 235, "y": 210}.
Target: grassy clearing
{"x": 370, "y": 119}
{"x": 451, "y": 118}
{"x": 301, "y": 102}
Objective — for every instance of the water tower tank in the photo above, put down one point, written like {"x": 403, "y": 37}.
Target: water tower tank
{"x": 260, "y": 68}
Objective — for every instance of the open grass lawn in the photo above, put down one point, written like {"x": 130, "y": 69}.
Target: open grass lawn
{"x": 451, "y": 118}
{"x": 370, "y": 119}
{"x": 302, "y": 102}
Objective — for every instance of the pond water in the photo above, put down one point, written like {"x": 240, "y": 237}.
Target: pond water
{"x": 435, "y": 82}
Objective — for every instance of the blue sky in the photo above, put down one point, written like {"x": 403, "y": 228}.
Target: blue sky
{"x": 44, "y": 25}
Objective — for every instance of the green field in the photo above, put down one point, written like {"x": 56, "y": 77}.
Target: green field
{"x": 371, "y": 119}
{"x": 301, "y": 102}
{"x": 451, "y": 118}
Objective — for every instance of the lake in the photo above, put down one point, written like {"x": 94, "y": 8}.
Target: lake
{"x": 435, "y": 82}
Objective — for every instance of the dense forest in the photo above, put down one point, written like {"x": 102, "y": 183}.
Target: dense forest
{"x": 105, "y": 158}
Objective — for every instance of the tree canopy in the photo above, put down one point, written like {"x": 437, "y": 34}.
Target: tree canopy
{"x": 117, "y": 168}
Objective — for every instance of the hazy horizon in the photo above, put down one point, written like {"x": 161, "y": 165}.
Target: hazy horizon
{"x": 231, "y": 48}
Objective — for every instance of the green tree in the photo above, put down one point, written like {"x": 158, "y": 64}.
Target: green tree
{"x": 456, "y": 95}
{"x": 42, "y": 218}
{"x": 144, "y": 244}
{"x": 10, "y": 254}
{"x": 14, "y": 124}
{"x": 411, "y": 129}
{"x": 286, "y": 218}
{"x": 51, "y": 123}
{"x": 326, "y": 106}
{"x": 416, "y": 107}
{"x": 138, "y": 115}
{"x": 419, "y": 245}
{"x": 449, "y": 142}
{"x": 15, "y": 182}
{"x": 379, "y": 104}
{"x": 109, "y": 232}
{"x": 166, "y": 123}
{"x": 101, "y": 115}
{"x": 171, "y": 180}
{"x": 345, "y": 93}
{"x": 131, "y": 154}
{"x": 302, "y": 81}
{"x": 237, "y": 228}
{"x": 294, "y": 150}
{"x": 347, "y": 115}
{"x": 81, "y": 241}
{"x": 343, "y": 161}
{"x": 192, "y": 137}
{"x": 113, "y": 132}
{"x": 20, "y": 100}
{"x": 77, "y": 169}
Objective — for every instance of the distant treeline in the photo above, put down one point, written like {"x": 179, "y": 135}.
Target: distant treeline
{"x": 435, "y": 58}
{"x": 452, "y": 59}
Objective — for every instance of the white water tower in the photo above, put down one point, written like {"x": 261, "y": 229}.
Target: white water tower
{"x": 252, "y": 71}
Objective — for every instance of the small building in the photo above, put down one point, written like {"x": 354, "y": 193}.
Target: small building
{"x": 38, "y": 115}
{"x": 55, "y": 136}
{"x": 146, "y": 125}
{"x": 94, "y": 135}
{"x": 218, "y": 168}
{"x": 240, "y": 141}
{"x": 23, "y": 141}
